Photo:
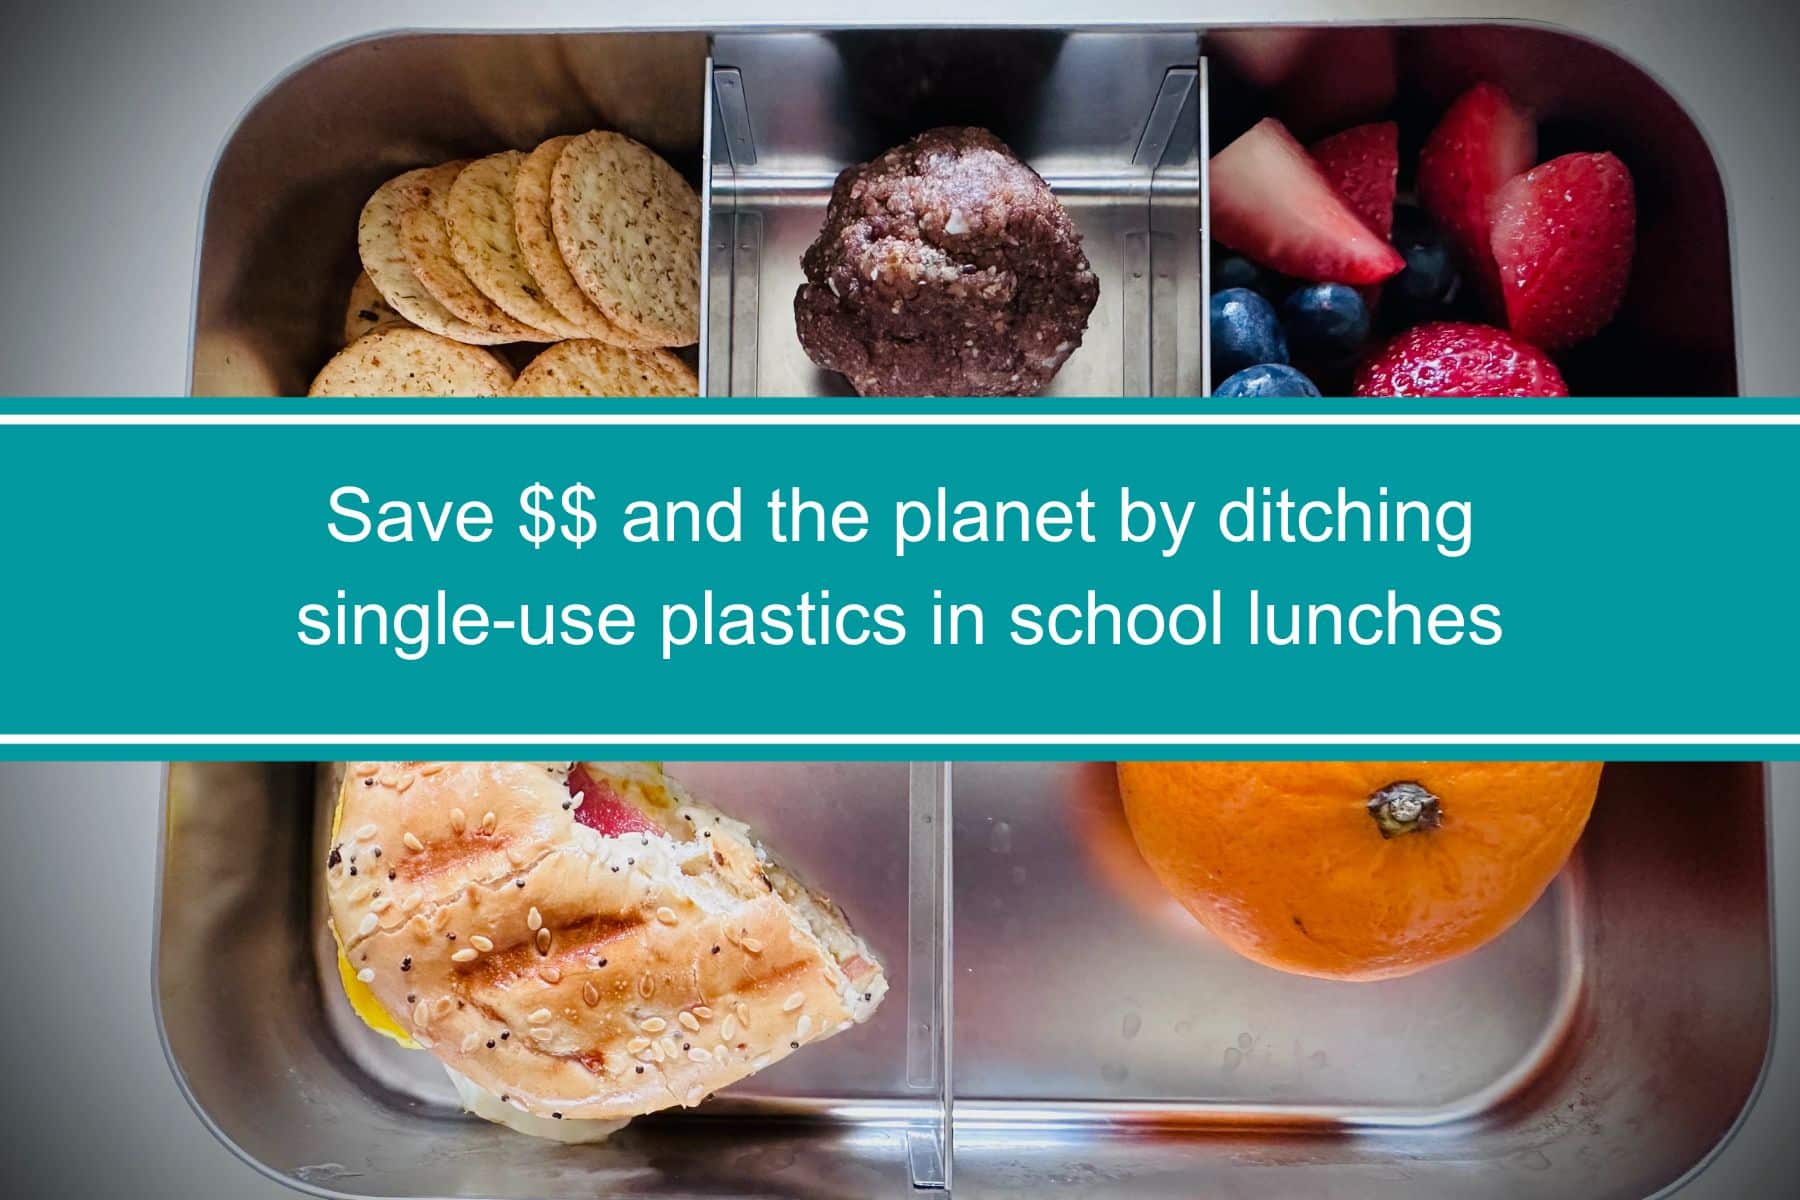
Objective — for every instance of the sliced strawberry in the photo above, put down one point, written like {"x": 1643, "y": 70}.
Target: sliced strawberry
{"x": 1481, "y": 142}
{"x": 601, "y": 808}
{"x": 1363, "y": 164}
{"x": 1272, "y": 203}
{"x": 1563, "y": 236}
{"x": 1456, "y": 360}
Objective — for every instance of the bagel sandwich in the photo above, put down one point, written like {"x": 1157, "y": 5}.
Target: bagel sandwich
{"x": 579, "y": 943}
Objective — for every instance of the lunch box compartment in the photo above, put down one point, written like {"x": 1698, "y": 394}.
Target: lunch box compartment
{"x": 274, "y": 1059}
{"x": 278, "y": 243}
{"x": 1600, "y": 1048}
{"x": 1675, "y": 334}
{"x": 1113, "y": 121}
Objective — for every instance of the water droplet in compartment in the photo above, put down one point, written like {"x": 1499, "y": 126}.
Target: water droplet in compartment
{"x": 1130, "y": 1026}
{"x": 1000, "y": 838}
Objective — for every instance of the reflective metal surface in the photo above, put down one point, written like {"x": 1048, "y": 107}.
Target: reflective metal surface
{"x": 1601, "y": 1048}
{"x": 1102, "y": 1043}
{"x": 1111, "y": 120}
{"x": 258, "y": 1029}
{"x": 1149, "y": 1020}
{"x": 278, "y": 244}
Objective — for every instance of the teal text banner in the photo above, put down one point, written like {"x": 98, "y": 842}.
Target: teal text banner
{"x": 1590, "y": 581}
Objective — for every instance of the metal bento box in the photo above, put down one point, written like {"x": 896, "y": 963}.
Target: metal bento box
{"x": 1057, "y": 1024}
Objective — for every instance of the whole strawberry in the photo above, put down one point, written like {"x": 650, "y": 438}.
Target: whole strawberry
{"x": 1563, "y": 236}
{"x": 1454, "y": 359}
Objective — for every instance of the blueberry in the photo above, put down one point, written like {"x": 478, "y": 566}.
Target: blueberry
{"x": 1328, "y": 322}
{"x": 1266, "y": 381}
{"x": 1430, "y": 280}
{"x": 1430, "y": 277}
{"x": 1245, "y": 331}
{"x": 1236, "y": 271}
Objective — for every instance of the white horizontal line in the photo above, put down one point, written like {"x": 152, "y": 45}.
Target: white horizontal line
{"x": 876, "y": 418}
{"x": 903, "y": 739}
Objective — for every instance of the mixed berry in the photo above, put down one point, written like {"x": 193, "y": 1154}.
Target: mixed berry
{"x": 1324, "y": 275}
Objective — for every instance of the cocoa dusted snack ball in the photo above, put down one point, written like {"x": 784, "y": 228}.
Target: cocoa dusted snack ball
{"x": 945, "y": 268}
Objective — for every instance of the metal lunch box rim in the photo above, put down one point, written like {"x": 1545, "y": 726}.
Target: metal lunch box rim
{"x": 1755, "y": 1091}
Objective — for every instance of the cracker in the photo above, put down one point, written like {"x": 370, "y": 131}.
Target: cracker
{"x": 628, "y": 226}
{"x": 427, "y": 246}
{"x": 400, "y": 360}
{"x": 478, "y": 216}
{"x": 543, "y": 258}
{"x": 367, "y": 309}
{"x": 591, "y": 368}
{"x": 378, "y": 241}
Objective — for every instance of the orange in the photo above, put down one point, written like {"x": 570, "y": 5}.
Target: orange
{"x": 1357, "y": 870}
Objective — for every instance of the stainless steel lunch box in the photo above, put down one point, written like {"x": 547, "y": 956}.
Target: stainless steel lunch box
{"x": 1119, "y": 121}
{"x": 1057, "y": 1024}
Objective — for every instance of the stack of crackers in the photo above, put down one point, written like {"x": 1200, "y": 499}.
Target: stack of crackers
{"x": 590, "y": 243}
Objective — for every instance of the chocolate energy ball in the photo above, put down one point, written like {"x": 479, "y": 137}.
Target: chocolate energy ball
{"x": 945, "y": 268}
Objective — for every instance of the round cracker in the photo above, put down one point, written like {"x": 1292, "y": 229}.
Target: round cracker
{"x": 478, "y": 216}
{"x": 367, "y": 309}
{"x": 543, "y": 258}
{"x": 383, "y": 255}
{"x": 403, "y": 361}
{"x": 628, "y": 226}
{"x": 426, "y": 242}
{"x": 591, "y": 368}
